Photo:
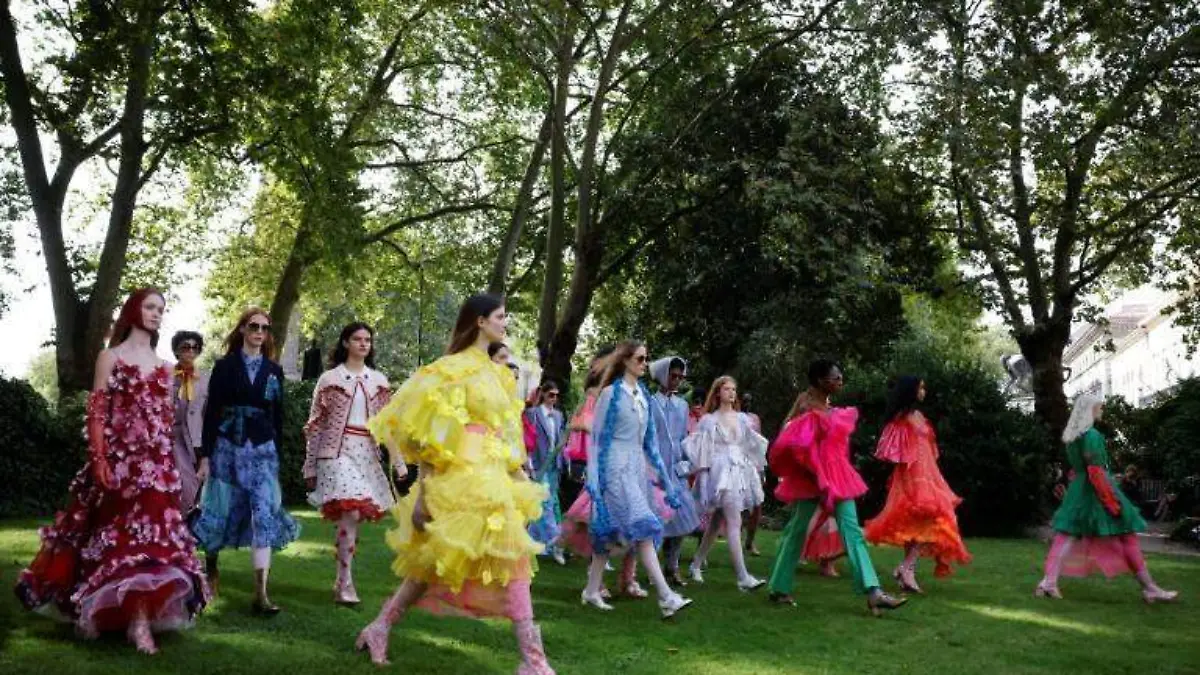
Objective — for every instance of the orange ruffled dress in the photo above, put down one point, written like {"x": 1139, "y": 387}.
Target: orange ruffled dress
{"x": 920, "y": 505}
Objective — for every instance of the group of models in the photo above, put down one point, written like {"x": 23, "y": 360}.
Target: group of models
{"x": 179, "y": 461}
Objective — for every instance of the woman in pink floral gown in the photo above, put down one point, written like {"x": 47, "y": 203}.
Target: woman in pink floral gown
{"x": 120, "y": 557}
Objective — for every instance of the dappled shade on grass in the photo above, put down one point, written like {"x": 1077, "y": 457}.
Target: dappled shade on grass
{"x": 982, "y": 620}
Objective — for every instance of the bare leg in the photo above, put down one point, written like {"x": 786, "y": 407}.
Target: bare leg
{"x": 906, "y": 573}
{"x": 139, "y": 633}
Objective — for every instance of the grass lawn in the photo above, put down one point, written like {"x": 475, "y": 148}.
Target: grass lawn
{"x": 983, "y": 620}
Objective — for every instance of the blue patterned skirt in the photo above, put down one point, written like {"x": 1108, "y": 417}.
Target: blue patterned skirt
{"x": 242, "y": 504}
{"x": 546, "y": 530}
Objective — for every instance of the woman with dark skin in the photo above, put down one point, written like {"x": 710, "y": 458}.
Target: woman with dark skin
{"x": 812, "y": 459}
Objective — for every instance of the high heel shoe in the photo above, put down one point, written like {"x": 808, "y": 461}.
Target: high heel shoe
{"x": 695, "y": 573}
{"x": 907, "y": 581}
{"x": 596, "y": 601}
{"x": 344, "y": 594}
{"x": 879, "y": 601}
{"x": 1159, "y": 595}
{"x": 778, "y": 598}
{"x": 750, "y": 584}
{"x": 672, "y": 604}
{"x": 1045, "y": 590}
{"x": 374, "y": 640}
{"x": 634, "y": 590}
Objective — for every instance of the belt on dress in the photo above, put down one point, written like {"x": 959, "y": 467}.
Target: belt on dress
{"x": 234, "y": 420}
{"x": 357, "y": 431}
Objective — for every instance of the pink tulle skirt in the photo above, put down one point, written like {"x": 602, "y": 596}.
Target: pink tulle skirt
{"x": 1110, "y": 556}
{"x": 823, "y": 541}
{"x": 575, "y": 535}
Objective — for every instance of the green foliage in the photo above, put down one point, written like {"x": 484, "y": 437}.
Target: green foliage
{"x": 43, "y": 375}
{"x": 1161, "y": 440}
{"x": 40, "y": 449}
{"x": 993, "y": 456}
{"x": 297, "y": 396}
{"x": 804, "y": 243}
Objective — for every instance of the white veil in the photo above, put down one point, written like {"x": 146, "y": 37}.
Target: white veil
{"x": 1083, "y": 416}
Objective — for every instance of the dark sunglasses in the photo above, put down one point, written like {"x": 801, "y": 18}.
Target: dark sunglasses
{"x": 255, "y": 327}
{"x": 552, "y": 394}
{"x": 189, "y": 347}
{"x": 641, "y": 359}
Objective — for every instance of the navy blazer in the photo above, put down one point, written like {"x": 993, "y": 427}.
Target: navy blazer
{"x": 239, "y": 410}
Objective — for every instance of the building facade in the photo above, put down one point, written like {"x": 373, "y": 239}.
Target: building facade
{"x": 1138, "y": 353}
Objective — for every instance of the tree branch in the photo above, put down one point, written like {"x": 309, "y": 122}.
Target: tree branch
{"x": 409, "y": 221}
{"x": 431, "y": 161}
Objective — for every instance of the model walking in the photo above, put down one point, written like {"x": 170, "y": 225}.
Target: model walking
{"x": 729, "y": 456}
{"x": 1096, "y": 526}
{"x": 241, "y": 505}
{"x": 671, "y": 419}
{"x": 119, "y": 557}
{"x": 342, "y": 472}
{"x": 462, "y": 544}
{"x": 545, "y": 430}
{"x": 812, "y": 459}
{"x": 190, "y": 392}
{"x": 624, "y": 513}
{"x": 919, "y": 513}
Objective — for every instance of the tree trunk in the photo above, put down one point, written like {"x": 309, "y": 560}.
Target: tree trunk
{"x": 287, "y": 291}
{"x": 584, "y": 282}
{"x": 556, "y": 232}
{"x": 98, "y": 311}
{"x": 1043, "y": 349}
{"x": 498, "y": 281}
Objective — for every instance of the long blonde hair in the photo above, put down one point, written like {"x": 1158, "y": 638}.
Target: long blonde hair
{"x": 1083, "y": 416}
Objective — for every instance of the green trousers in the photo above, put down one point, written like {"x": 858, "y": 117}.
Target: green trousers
{"x": 783, "y": 574}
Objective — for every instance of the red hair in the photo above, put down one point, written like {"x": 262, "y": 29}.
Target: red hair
{"x": 714, "y": 394}
{"x": 131, "y": 316}
{"x": 233, "y": 341}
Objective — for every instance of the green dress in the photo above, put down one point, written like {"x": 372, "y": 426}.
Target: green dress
{"x": 1082, "y": 514}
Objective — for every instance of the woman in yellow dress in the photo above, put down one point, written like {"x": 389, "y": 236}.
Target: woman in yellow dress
{"x": 462, "y": 544}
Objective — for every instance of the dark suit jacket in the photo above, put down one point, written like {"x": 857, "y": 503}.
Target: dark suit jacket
{"x": 240, "y": 410}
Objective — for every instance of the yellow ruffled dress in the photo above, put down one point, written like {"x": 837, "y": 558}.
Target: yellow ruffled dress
{"x": 461, "y": 416}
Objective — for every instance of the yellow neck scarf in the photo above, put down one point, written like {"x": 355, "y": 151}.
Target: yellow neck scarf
{"x": 187, "y": 382}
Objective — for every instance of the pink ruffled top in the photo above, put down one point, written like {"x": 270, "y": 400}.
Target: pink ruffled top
{"x": 811, "y": 456}
{"x": 576, "y": 449}
{"x": 907, "y": 440}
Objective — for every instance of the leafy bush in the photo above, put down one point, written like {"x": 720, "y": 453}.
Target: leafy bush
{"x": 40, "y": 449}
{"x": 297, "y": 396}
{"x": 993, "y": 456}
{"x": 1161, "y": 441}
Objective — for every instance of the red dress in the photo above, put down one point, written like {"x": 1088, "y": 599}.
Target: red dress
{"x": 920, "y": 505}
{"x": 111, "y": 551}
